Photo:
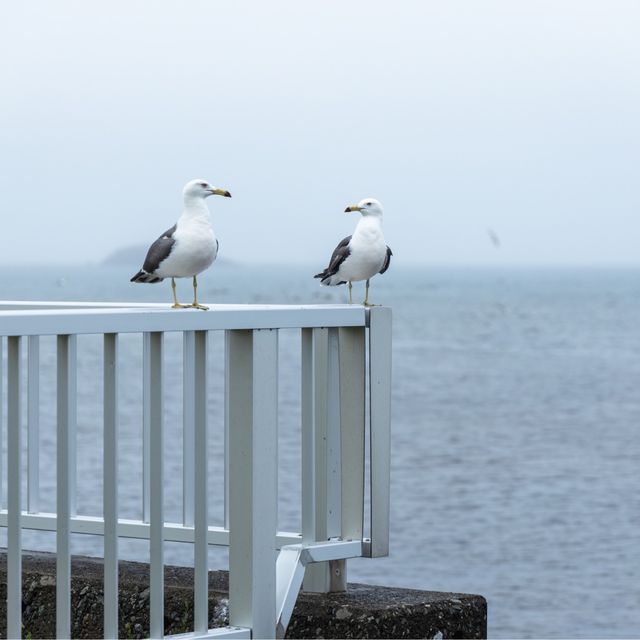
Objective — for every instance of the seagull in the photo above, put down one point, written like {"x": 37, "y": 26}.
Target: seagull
{"x": 188, "y": 248}
{"x": 494, "y": 237}
{"x": 361, "y": 255}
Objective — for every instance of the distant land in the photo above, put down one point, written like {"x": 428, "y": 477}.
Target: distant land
{"x": 131, "y": 255}
{"x": 134, "y": 255}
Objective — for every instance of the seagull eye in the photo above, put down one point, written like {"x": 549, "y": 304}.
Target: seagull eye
{"x": 203, "y": 184}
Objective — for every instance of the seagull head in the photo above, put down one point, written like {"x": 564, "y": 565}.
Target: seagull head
{"x": 202, "y": 189}
{"x": 366, "y": 207}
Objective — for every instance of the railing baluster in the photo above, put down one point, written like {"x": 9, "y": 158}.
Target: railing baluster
{"x": 200, "y": 457}
{"x": 352, "y": 420}
{"x": 33, "y": 425}
{"x": 73, "y": 424}
{"x": 14, "y": 480}
{"x": 188, "y": 392}
{"x": 333, "y": 436}
{"x": 110, "y": 484}
{"x": 253, "y": 404}
{"x": 380, "y": 418}
{"x": 321, "y": 577}
{"x": 308, "y": 440}
{"x": 317, "y": 576}
{"x": 333, "y": 467}
{"x": 239, "y": 364}
{"x": 320, "y": 419}
{"x": 156, "y": 478}
{"x": 66, "y": 417}
{"x": 1, "y": 420}
{"x": 146, "y": 429}
{"x": 227, "y": 385}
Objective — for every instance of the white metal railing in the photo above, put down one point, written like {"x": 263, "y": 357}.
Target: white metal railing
{"x": 337, "y": 362}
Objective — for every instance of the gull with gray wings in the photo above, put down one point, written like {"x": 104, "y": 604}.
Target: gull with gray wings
{"x": 187, "y": 248}
{"x": 362, "y": 255}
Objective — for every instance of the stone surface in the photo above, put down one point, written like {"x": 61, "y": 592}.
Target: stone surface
{"x": 363, "y": 611}
{"x": 366, "y": 611}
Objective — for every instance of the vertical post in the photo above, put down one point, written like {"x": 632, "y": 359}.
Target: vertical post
{"x": 320, "y": 419}
{"x": 1, "y": 421}
{"x": 14, "y": 481}
{"x": 156, "y": 485}
{"x": 333, "y": 465}
{"x": 146, "y": 428}
{"x": 188, "y": 393}
{"x": 253, "y": 405}
{"x": 66, "y": 429}
{"x": 73, "y": 423}
{"x": 227, "y": 385}
{"x": 324, "y": 577}
{"x": 308, "y": 440}
{"x": 199, "y": 455}
{"x": 110, "y": 484}
{"x": 314, "y": 364}
{"x": 352, "y": 420}
{"x": 33, "y": 425}
{"x": 380, "y": 417}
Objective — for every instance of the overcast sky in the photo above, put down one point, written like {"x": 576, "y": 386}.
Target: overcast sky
{"x": 520, "y": 117}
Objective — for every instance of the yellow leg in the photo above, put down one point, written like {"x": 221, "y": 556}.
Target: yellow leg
{"x": 366, "y": 302}
{"x": 176, "y": 304}
{"x": 366, "y": 295}
{"x": 350, "y": 287}
{"x": 195, "y": 304}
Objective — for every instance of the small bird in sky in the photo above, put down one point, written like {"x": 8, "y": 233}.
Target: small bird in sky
{"x": 361, "y": 255}
{"x": 187, "y": 248}
{"x": 494, "y": 237}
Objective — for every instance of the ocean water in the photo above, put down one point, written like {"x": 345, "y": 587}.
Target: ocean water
{"x": 515, "y": 434}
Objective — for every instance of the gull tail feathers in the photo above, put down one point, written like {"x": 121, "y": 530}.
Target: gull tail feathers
{"x": 329, "y": 279}
{"x": 143, "y": 276}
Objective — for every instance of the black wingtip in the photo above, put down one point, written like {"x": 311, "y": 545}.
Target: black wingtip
{"x": 146, "y": 278}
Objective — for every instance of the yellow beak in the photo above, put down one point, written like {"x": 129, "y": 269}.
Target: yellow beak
{"x": 352, "y": 207}
{"x": 221, "y": 192}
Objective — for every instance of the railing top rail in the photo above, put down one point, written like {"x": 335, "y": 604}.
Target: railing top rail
{"x": 30, "y": 305}
{"x": 59, "y": 318}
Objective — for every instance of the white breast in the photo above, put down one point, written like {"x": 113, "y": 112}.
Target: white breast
{"x": 368, "y": 251}
{"x": 194, "y": 250}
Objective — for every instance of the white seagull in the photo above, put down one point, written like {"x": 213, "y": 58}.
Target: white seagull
{"x": 361, "y": 255}
{"x": 188, "y": 248}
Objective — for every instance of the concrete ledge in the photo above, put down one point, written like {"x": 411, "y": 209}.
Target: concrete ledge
{"x": 364, "y": 611}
